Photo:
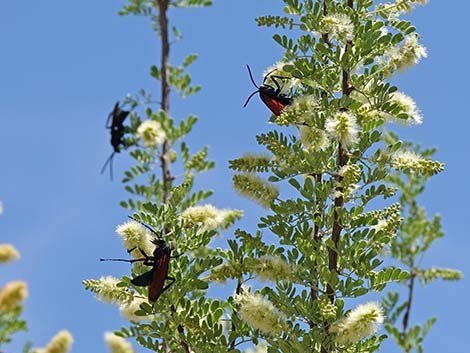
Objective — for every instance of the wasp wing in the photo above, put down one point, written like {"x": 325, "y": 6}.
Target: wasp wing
{"x": 144, "y": 279}
{"x": 119, "y": 117}
{"x": 276, "y": 105}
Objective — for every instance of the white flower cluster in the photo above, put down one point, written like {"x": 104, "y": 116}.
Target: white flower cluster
{"x": 273, "y": 268}
{"x": 136, "y": 236}
{"x": 406, "y": 160}
{"x": 260, "y": 313}
{"x": 210, "y": 218}
{"x": 12, "y": 294}
{"x": 337, "y": 26}
{"x": 301, "y": 110}
{"x": 128, "y": 310}
{"x": 405, "y": 55}
{"x": 107, "y": 291}
{"x": 313, "y": 139}
{"x": 60, "y": 343}
{"x": 399, "y": 7}
{"x": 342, "y": 127}
{"x": 117, "y": 344}
{"x": 358, "y": 323}
{"x": 405, "y": 103}
{"x": 151, "y": 133}
{"x": 8, "y": 253}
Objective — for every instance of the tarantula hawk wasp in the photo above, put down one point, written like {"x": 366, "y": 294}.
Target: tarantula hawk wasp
{"x": 271, "y": 96}
{"x": 117, "y": 117}
{"x": 155, "y": 278}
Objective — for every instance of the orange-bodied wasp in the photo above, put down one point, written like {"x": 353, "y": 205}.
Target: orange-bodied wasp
{"x": 117, "y": 117}
{"x": 271, "y": 96}
{"x": 155, "y": 278}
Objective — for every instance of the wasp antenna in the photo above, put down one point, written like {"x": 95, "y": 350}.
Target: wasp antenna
{"x": 110, "y": 162}
{"x": 146, "y": 226}
{"x": 110, "y": 116}
{"x": 251, "y": 95}
{"x": 122, "y": 260}
{"x": 267, "y": 75}
{"x": 251, "y": 76}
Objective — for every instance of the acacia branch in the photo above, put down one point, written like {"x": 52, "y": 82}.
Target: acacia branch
{"x": 237, "y": 291}
{"x": 165, "y": 106}
{"x": 165, "y": 95}
{"x": 341, "y": 161}
{"x": 318, "y": 181}
{"x": 406, "y": 317}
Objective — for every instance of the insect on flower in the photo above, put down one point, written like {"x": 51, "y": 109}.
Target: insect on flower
{"x": 155, "y": 278}
{"x": 272, "y": 97}
{"x": 117, "y": 117}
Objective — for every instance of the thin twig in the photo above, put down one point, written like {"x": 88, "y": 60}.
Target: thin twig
{"x": 233, "y": 329}
{"x": 406, "y": 317}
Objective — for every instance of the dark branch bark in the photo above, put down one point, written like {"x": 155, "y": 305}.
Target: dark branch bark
{"x": 318, "y": 180}
{"x": 406, "y": 317}
{"x": 165, "y": 106}
{"x": 165, "y": 98}
{"x": 233, "y": 329}
{"x": 341, "y": 161}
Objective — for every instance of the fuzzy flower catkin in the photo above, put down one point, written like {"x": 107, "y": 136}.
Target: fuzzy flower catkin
{"x": 407, "y": 5}
{"x": 381, "y": 226}
{"x": 135, "y": 236}
{"x": 8, "y": 253}
{"x": 107, "y": 291}
{"x": 225, "y": 271}
{"x": 260, "y": 313}
{"x": 12, "y": 294}
{"x": 254, "y": 187}
{"x": 406, "y": 55}
{"x": 60, "y": 343}
{"x": 301, "y": 110}
{"x": 117, "y": 344}
{"x": 151, "y": 133}
{"x": 342, "y": 127}
{"x": 209, "y": 217}
{"x": 406, "y": 160}
{"x": 351, "y": 175}
{"x": 337, "y": 26}
{"x": 272, "y": 268}
{"x": 313, "y": 139}
{"x": 127, "y": 310}
{"x": 408, "y": 106}
{"x": 358, "y": 323}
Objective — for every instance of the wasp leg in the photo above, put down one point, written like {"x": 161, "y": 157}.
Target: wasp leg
{"x": 130, "y": 261}
{"x": 143, "y": 253}
{"x": 146, "y": 226}
{"x": 267, "y": 75}
{"x": 169, "y": 284}
{"x": 273, "y": 78}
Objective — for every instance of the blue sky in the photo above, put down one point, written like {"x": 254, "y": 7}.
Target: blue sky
{"x": 64, "y": 64}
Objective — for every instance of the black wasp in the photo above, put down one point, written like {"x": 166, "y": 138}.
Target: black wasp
{"x": 117, "y": 117}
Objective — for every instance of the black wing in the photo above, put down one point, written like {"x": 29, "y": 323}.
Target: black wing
{"x": 118, "y": 117}
{"x": 143, "y": 280}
